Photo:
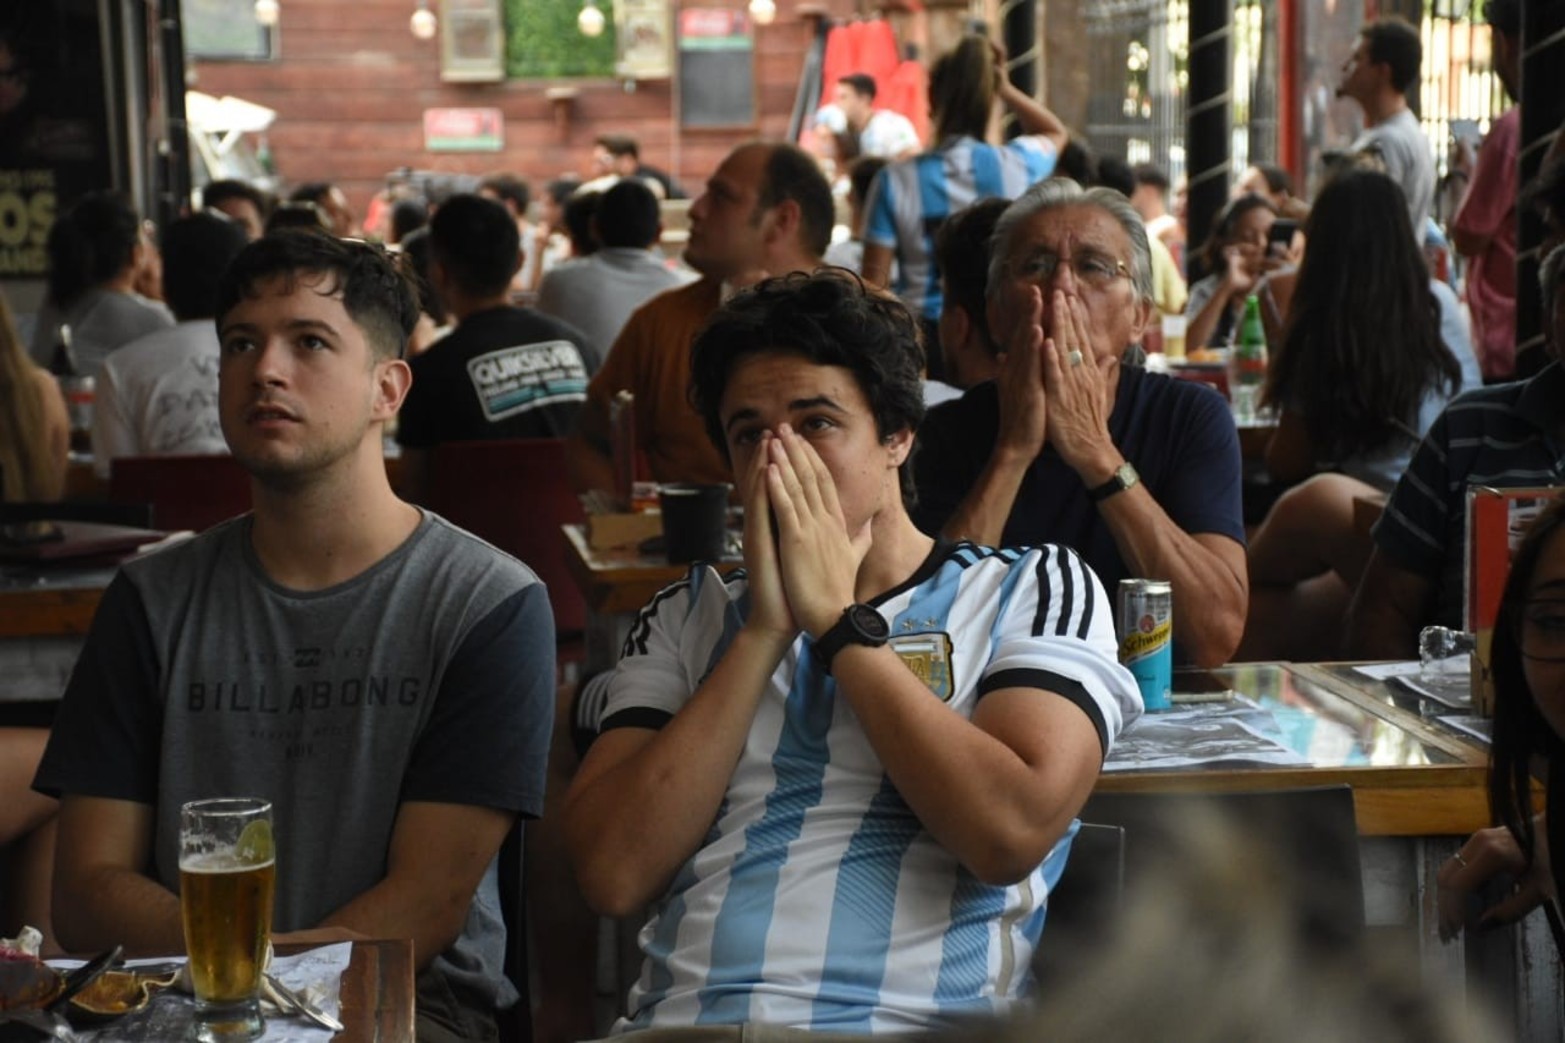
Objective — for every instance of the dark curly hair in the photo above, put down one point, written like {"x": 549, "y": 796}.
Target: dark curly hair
{"x": 831, "y": 319}
{"x": 377, "y": 294}
{"x": 1520, "y": 731}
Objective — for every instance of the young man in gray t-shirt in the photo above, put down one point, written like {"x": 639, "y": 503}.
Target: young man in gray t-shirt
{"x": 1377, "y": 75}
{"x": 384, "y": 679}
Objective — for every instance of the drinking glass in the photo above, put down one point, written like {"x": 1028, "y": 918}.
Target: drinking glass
{"x": 227, "y": 873}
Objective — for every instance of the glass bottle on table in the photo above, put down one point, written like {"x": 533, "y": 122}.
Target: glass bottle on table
{"x": 76, "y": 387}
{"x": 1247, "y": 362}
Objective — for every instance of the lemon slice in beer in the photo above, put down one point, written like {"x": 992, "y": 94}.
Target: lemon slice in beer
{"x": 255, "y": 847}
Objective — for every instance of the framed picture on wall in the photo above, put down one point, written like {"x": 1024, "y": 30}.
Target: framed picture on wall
{"x": 716, "y": 68}
{"x": 472, "y": 41}
{"x": 644, "y": 40}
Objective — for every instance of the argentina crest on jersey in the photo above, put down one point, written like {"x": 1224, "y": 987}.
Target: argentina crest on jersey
{"x": 929, "y": 657}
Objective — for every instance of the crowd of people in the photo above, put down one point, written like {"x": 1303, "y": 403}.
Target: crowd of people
{"x": 950, "y": 444}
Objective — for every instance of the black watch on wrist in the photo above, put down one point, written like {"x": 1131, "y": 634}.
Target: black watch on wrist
{"x": 1124, "y": 477}
{"x": 860, "y": 625}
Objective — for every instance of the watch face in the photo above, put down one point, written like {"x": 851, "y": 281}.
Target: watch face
{"x": 870, "y": 623}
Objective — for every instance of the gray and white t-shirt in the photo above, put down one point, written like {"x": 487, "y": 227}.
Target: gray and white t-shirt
{"x": 1400, "y": 144}
{"x": 429, "y": 677}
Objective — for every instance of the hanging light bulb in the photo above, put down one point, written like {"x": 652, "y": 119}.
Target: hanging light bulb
{"x": 590, "y": 20}
{"x": 266, "y": 12}
{"x": 423, "y": 22}
{"x": 763, "y": 11}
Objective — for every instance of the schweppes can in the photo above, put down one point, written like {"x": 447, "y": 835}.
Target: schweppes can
{"x": 1146, "y": 637}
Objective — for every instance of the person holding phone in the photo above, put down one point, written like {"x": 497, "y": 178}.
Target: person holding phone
{"x": 1239, "y": 254}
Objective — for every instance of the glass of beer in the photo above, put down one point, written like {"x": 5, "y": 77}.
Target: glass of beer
{"x": 227, "y": 871}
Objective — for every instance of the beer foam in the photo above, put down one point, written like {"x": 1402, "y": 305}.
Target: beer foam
{"x": 218, "y": 862}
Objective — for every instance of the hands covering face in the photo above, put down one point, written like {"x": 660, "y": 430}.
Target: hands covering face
{"x": 1052, "y": 386}
{"x": 802, "y": 575}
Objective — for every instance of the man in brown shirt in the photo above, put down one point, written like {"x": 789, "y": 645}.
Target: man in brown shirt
{"x": 766, "y": 211}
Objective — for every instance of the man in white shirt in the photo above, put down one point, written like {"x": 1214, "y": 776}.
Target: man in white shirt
{"x": 157, "y": 396}
{"x": 880, "y": 132}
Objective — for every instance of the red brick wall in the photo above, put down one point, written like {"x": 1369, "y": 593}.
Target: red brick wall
{"x": 351, "y": 83}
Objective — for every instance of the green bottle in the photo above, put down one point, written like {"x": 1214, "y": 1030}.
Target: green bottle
{"x": 1249, "y": 351}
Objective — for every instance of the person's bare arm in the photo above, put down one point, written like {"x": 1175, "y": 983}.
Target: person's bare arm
{"x": 1289, "y": 456}
{"x": 103, "y": 895}
{"x": 1208, "y": 572}
{"x": 589, "y": 465}
{"x": 438, "y": 856}
{"x": 1032, "y": 117}
{"x": 1390, "y": 607}
{"x": 996, "y": 791}
{"x": 1467, "y": 242}
{"x": 1201, "y": 326}
{"x": 644, "y": 800}
{"x": 877, "y": 265}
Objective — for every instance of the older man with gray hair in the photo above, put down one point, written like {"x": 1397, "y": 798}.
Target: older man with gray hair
{"x": 1138, "y": 472}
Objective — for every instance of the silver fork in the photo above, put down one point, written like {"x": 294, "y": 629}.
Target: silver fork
{"x": 288, "y": 999}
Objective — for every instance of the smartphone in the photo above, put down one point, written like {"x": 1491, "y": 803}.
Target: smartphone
{"x": 1280, "y": 240}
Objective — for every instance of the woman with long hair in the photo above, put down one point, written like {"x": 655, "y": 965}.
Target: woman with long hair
{"x": 1373, "y": 347}
{"x": 1527, "y": 664}
{"x": 35, "y": 431}
{"x": 911, "y": 198}
{"x": 1373, "y": 350}
{"x": 1237, "y": 256}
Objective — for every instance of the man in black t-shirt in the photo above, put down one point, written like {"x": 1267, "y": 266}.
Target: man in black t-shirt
{"x": 504, "y": 372}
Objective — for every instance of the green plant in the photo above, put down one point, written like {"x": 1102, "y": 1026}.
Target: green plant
{"x": 542, "y": 40}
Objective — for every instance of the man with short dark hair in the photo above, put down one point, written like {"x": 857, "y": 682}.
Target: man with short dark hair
{"x": 1377, "y": 76}
{"x": 157, "y": 395}
{"x": 333, "y": 204}
{"x": 504, "y": 372}
{"x": 382, "y": 678}
{"x": 767, "y": 210}
{"x": 879, "y": 132}
{"x": 845, "y": 779}
{"x": 1484, "y": 229}
{"x": 240, "y": 201}
{"x": 619, "y": 155}
{"x": 597, "y": 294}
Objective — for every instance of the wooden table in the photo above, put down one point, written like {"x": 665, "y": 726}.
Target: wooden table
{"x": 1411, "y": 776}
{"x": 47, "y": 611}
{"x": 620, "y": 579}
{"x": 377, "y": 993}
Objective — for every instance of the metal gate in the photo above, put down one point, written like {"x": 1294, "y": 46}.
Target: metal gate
{"x": 1137, "y": 67}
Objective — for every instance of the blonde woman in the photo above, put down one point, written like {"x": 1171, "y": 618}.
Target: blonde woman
{"x": 34, "y": 428}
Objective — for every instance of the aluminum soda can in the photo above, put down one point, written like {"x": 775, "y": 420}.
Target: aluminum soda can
{"x": 1146, "y": 637}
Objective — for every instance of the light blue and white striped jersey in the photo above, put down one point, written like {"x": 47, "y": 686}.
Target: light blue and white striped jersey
{"x": 909, "y": 200}
{"x": 818, "y": 900}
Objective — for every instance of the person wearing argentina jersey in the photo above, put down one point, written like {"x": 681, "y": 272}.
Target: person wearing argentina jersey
{"x": 912, "y": 198}
{"x": 842, "y": 781}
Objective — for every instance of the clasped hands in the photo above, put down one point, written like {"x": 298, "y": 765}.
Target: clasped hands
{"x": 802, "y": 571}
{"x": 1054, "y": 389}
